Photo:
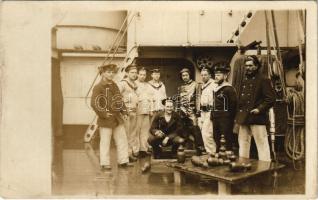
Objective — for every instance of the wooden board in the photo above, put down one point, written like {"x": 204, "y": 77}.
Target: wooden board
{"x": 222, "y": 173}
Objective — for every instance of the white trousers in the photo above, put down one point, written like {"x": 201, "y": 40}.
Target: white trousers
{"x": 120, "y": 139}
{"x": 259, "y": 133}
{"x": 143, "y": 126}
{"x": 131, "y": 131}
{"x": 206, "y": 127}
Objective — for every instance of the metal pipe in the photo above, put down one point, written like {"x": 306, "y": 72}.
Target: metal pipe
{"x": 272, "y": 130}
{"x": 272, "y": 136}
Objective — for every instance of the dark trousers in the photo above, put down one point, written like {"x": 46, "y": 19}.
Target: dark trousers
{"x": 190, "y": 128}
{"x": 196, "y": 133}
{"x": 223, "y": 125}
{"x": 155, "y": 142}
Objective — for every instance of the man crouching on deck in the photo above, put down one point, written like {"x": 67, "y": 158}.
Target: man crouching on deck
{"x": 108, "y": 104}
{"x": 165, "y": 129}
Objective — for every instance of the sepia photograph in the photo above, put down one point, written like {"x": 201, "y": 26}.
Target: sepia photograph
{"x": 158, "y": 100}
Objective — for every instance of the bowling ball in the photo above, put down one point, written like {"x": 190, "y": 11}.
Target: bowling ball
{"x": 232, "y": 158}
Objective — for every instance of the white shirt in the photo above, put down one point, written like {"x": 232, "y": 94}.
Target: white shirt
{"x": 207, "y": 92}
{"x": 144, "y": 97}
{"x": 158, "y": 93}
{"x": 128, "y": 90}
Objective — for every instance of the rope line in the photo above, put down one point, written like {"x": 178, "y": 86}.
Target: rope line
{"x": 294, "y": 139}
{"x": 116, "y": 44}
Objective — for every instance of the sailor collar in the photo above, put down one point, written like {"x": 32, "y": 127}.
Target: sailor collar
{"x": 217, "y": 88}
{"x": 189, "y": 82}
{"x": 155, "y": 87}
{"x": 131, "y": 85}
{"x": 205, "y": 85}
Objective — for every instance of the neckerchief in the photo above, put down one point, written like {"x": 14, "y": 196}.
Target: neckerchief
{"x": 134, "y": 87}
{"x": 155, "y": 87}
{"x": 189, "y": 82}
{"x": 205, "y": 85}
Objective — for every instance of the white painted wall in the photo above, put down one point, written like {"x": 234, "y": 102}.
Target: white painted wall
{"x": 77, "y": 75}
{"x": 208, "y": 27}
{"x": 183, "y": 27}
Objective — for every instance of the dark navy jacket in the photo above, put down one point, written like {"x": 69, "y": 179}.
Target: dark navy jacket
{"x": 106, "y": 98}
{"x": 171, "y": 129}
{"x": 224, "y": 102}
{"x": 256, "y": 92}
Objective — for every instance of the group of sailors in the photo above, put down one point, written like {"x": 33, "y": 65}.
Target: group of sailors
{"x": 139, "y": 115}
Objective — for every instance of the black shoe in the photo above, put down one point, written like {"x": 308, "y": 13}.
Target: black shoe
{"x": 124, "y": 165}
{"x": 105, "y": 168}
{"x": 132, "y": 159}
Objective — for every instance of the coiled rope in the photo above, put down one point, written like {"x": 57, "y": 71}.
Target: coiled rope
{"x": 295, "y": 134}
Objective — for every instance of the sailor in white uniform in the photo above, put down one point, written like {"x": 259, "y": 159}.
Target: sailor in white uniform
{"x": 206, "y": 102}
{"x": 157, "y": 92}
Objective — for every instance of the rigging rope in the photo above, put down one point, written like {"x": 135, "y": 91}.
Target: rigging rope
{"x": 277, "y": 65}
{"x": 295, "y": 135}
{"x": 111, "y": 51}
{"x": 294, "y": 139}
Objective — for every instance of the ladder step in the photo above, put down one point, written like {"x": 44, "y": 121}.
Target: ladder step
{"x": 91, "y": 130}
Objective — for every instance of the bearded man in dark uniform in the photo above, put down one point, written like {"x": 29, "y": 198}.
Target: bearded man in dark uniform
{"x": 224, "y": 106}
{"x": 256, "y": 98}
